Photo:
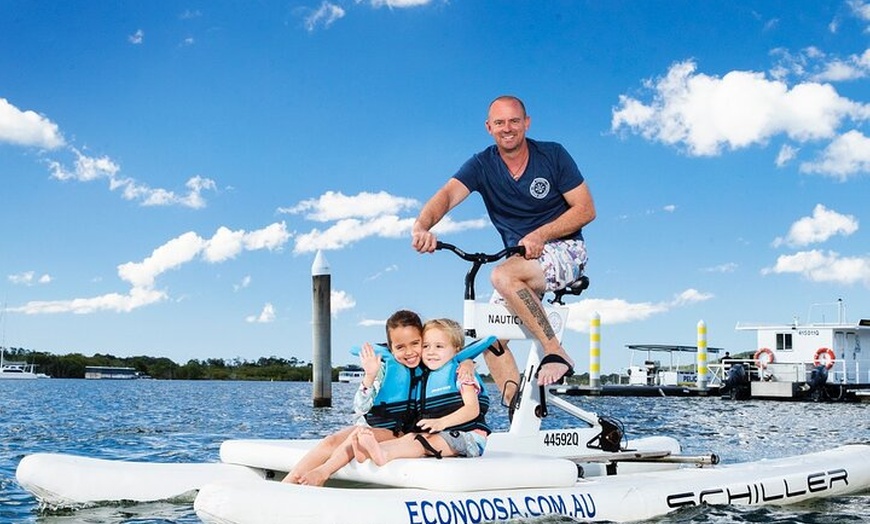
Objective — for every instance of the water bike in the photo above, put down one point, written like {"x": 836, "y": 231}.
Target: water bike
{"x": 591, "y": 472}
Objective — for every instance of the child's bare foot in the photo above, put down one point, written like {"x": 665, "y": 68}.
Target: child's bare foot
{"x": 371, "y": 447}
{"x": 358, "y": 453}
{"x": 315, "y": 477}
{"x": 292, "y": 478}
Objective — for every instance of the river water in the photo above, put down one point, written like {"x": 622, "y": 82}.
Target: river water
{"x": 186, "y": 421}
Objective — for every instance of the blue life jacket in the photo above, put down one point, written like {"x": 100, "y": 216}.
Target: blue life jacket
{"x": 398, "y": 404}
{"x": 440, "y": 396}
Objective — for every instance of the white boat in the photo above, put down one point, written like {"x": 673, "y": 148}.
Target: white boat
{"x": 591, "y": 472}
{"x": 15, "y": 370}
{"x": 817, "y": 360}
{"x": 351, "y": 375}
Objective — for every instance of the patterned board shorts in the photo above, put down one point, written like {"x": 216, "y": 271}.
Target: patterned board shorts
{"x": 464, "y": 443}
{"x": 562, "y": 263}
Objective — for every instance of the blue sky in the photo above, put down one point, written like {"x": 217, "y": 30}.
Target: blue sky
{"x": 170, "y": 169}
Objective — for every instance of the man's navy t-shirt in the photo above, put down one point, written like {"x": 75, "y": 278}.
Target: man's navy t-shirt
{"x": 517, "y": 207}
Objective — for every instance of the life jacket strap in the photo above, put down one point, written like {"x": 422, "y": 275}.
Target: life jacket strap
{"x": 430, "y": 451}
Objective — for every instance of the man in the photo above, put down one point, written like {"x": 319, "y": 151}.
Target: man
{"x": 537, "y": 198}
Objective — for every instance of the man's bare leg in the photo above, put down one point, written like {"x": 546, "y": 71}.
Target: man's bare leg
{"x": 504, "y": 371}
{"x": 516, "y": 279}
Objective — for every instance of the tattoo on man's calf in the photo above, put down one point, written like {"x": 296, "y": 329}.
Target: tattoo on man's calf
{"x": 534, "y": 306}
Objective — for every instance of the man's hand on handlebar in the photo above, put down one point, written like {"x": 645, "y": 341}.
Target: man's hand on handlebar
{"x": 534, "y": 245}
{"x": 423, "y": 240}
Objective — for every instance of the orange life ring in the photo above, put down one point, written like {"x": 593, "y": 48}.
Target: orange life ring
{"x": 829, "y": 359}
{"x": 763, "y": 363}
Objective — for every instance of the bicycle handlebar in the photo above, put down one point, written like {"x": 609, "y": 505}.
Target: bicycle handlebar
{"x": 482, "y": 258}
{"x": 477, "y": 260}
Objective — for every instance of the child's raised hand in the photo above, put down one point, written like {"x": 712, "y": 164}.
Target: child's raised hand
{"x": 369, "y": 360}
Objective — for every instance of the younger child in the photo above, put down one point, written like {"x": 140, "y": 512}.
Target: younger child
{"x": 452, "y": 408}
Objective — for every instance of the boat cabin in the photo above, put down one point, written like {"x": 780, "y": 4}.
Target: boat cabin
{"x": 796, "y": 349}
{"x": 790, "y": 359}
{"x": 680, "y": 369}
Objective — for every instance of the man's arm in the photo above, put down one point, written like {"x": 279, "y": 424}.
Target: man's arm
{"x": 448, "y": 197}
{"x": 581, "y": 211}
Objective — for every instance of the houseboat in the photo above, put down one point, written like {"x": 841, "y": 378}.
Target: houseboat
{"x": 351, "y": 374}
{"x": 111, "y": 372}
{"x": 812, "y": 360}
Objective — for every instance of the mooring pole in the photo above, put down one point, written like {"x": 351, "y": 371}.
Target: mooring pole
{"x": 595, "y": 351}
{"x": 321, "y": 334}
{"x": 702, "y": 355}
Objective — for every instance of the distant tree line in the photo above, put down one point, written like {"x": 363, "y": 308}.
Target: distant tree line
{"x": 265, "y": 368}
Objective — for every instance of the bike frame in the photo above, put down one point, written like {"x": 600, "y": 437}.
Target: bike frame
{"x": 484, "y": 319}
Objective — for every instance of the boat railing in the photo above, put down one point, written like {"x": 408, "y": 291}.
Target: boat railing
{"x": 800, "y": 372}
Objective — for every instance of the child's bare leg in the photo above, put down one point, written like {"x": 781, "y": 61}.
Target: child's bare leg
{"x": 342, "y": 456}
{"x": 317, "y": 455}
{"x": 406, "y": 447}
{"x": 358, "y": 453}
{"x": 370, "y": 447}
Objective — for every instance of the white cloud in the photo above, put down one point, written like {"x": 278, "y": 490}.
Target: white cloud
{"x": 324, "y": 15}
{"x": 27, "y": 128}
{"x": 860, "y": 9}
{"x": 336, "y": 206}
{"x": 787, "y": 153}
{"x": 87, "y": 169}
{"x": 619, "y": 311}
{"x": 362, "y": 216}
{"x": 728, "y": 267}
{"x": 705, "y": 114}
{"x": 846, "y": 156}
{"x": 246, "y": 281}
{"x": 349, "y": 231}
{"x": 142, "y": 276}
{"x": 28, "y": 278}
{"x": 826, "y": 267}
{"x": 399, "y": 3}
{"x": 812, "y": 64}
{"x": 340, "y": 301}
{"x": 842, "y": 70}
{"x": 137, "y": 37}
{"x": 266, "y": 316}
{"x": 379, "y": 274}
{"x": 824, "y": 224}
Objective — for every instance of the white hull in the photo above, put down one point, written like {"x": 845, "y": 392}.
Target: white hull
{"x": 17, "y": 375}
{"x": 620, "y": 498}
{"x": 501, "y": 485}
{"x": 59, "y": 480}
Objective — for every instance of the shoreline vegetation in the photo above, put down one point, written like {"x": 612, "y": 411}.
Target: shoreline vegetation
{"x": 272, "y": 368}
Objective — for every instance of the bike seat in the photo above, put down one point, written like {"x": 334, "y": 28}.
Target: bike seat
{"x": 574, "y": 288}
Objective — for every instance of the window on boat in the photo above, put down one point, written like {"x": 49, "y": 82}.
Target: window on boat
{"x": 783, "y": 341}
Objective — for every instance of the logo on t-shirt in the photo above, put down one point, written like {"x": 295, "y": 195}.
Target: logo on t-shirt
{"x": 540, "y": 188}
